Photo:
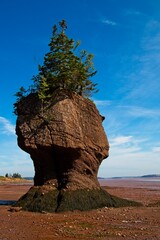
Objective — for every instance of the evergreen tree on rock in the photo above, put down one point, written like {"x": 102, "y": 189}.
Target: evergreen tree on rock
{"x": 63, "y": 69}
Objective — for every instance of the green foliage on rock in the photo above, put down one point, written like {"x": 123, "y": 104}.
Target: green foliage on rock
{"x": 20, "y": 95}
{"x": 38, "y": 200}
{"x": 64, "y": 67}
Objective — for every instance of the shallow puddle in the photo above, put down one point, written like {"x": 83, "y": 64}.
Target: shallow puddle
{"x": 7, "y": 202}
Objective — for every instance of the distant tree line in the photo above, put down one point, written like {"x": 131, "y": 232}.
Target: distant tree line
{"x": 14, "y": 175}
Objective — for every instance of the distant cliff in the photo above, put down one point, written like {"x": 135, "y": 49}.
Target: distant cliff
{"x": 151, "y": 176}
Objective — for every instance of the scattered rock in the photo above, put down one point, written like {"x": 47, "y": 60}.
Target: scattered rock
{"x": 15, "y": 209}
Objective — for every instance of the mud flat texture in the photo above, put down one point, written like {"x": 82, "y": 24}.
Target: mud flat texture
{"x": 140, "y": 223}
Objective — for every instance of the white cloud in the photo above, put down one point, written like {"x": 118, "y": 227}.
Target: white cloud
{"x": 122, "y": 145}
{"x": 156, "y": 149}
{"x": 138, "y": 111}
{"x": 108, "y": 22}
{"x": 121, "y": 140}
{"x": 130, "y": 161}
{"x": 6, "y": 126}
{"x": 132, "y": 12}
{"x": 144, "y": 79}
{"x": 132, "y": 123}
{"x": 102, "y": 103}
{"x": 130, "y": 120}
{"x": 14, "y": 159}
{"x": 131, "y": 156}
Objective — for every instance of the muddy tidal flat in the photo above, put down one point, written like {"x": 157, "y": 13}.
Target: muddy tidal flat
{"x": 140, "y": 223}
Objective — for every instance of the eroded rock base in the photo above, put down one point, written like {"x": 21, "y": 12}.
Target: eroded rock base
{"x": 39, "y": 199}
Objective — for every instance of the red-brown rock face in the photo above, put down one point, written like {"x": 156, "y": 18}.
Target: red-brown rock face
{"x": 67, "y": 144}
{"x": 64, "y": 138}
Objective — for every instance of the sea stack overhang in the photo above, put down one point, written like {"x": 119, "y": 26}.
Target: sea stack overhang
{"x": 67, "y": 143}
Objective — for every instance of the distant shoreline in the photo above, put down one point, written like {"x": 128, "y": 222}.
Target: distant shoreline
{"x": 132, "y": 177}
{"x": 29, "y": 180}
{"x": 17, "y": 181}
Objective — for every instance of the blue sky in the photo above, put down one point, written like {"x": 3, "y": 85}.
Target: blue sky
{"x": 124, "y": 36}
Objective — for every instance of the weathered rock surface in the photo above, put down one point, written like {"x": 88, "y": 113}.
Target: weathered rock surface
{"x": 66, "y": 140}
{"x": 67, "y": 144}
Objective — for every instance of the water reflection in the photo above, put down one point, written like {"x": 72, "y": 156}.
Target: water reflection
{"x": 7, "y": 202}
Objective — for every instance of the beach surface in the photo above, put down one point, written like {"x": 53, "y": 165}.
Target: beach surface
{"x": 140, "y": 223}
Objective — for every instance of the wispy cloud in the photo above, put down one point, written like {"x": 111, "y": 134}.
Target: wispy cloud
{"x": 144, "y": 80}
{"x": 130, "y": 162}
{"x": 6, "y": 126}
{"x": 102, "y": 103}
{"x": 14, "y": 160}
{"x": 132, "y": 119}
{"x": 156, "y": 149}
{"x": 127, "y": 143}
{"x": 129, "y": 158}
{"x": 137, "y": 111}
{"x": 132, "y": 12}
{"x": 120, "y": 140}
{"x": 108, "y": 22}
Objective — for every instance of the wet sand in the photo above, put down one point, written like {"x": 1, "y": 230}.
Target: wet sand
{"x": 140, "y": 223}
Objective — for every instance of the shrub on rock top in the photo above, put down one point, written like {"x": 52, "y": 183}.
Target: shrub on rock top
{"x": 63, "y": 68}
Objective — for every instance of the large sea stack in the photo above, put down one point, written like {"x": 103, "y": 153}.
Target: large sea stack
{"x": 67, "y": 143}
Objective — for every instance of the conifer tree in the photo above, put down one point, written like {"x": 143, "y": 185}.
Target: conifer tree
{"x": 63, "y": 69}
{"x": 20, "y": 95}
